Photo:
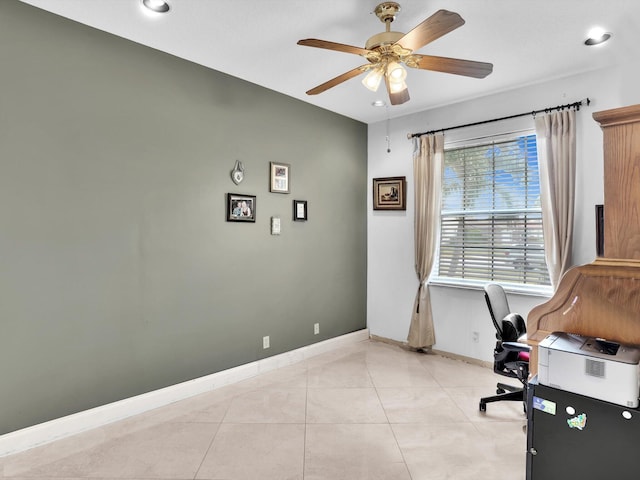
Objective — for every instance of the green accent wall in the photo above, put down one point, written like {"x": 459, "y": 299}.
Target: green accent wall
{"x": 119, "y": 273}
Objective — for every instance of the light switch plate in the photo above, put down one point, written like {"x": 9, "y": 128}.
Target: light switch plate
{"x": 275, "y": 225}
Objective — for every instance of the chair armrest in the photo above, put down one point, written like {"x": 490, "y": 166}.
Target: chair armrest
{"x": 516, "y": 347}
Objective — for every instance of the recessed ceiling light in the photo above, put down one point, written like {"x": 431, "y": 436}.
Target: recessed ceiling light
{"x": 597, "y": 36}
{"x": 379, "y": 103}
{"x": 159, "y": 6}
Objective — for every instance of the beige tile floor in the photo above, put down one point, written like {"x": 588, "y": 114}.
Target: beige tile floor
{"x": 366, "y": 411}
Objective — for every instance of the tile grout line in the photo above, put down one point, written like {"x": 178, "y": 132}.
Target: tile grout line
{"x": 204, "y": 457}
{"x": 395, "y": 438}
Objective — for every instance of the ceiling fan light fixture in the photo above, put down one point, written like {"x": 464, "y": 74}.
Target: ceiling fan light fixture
{"x": 396, "y": 72}
{"x": 396, "y": 86}
{"x": 159, "y": 6}
{"x": 373, "y": 79}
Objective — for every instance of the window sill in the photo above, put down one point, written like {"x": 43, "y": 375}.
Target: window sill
{"x": 530, "y": 290}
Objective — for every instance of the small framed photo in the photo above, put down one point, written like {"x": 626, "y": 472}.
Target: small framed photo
{"x": 300, "y": 210}
{"x": 389, "y": 193}
{"x": 279, "y": 177}
{"x": 241, "y": 208}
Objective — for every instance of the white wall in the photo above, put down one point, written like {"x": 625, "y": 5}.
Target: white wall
{"x": 392, "y": 281}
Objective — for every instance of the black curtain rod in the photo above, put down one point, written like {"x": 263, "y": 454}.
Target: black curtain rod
{"x": 575, "y": 105}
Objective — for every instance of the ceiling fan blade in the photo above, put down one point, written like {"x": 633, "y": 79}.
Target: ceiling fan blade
{"x": 339, "y": 47}
{"x": 338, "y": 80}
{"x": 397, "y": 98}
{"x": 434, "y": 27}
{"x": 457, "y": 66}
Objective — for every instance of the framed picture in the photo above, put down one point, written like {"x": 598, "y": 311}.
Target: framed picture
{"x": 279, "y": 177}
{"x": 241, "y": 208}
{"x": 389, "y": 193}
{"x": 300, "y": 210}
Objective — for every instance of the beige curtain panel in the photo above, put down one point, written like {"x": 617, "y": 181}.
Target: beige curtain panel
{"x": 427, "y": 173}
{"x": 556, "y": 139}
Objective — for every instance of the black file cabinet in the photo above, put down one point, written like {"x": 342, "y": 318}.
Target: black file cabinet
{"x": 573, "y": 436}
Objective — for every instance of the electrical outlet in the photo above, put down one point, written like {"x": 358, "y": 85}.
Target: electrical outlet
{"x": 316, "y": 328}
{"x": 265, "y": 342}
{"x": 475, "y": 336}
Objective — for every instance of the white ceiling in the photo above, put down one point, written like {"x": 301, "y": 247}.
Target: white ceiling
{"x": 527, "y": 41}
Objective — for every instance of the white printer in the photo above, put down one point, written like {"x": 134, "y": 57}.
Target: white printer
{"x": 589, "y": 366}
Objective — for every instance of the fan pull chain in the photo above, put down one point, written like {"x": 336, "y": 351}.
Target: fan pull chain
{"x": 388, "y": 137}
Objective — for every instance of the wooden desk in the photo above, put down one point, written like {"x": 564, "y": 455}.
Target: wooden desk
{"x": 602, "y": 299}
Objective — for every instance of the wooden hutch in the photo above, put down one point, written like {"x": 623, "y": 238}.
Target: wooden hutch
{"x": 602, "y": 299}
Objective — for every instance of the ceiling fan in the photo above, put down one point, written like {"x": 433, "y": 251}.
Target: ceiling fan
{"x": 387, "y": 51}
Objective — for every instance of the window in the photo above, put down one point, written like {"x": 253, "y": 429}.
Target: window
{"x": 491, "y": 220}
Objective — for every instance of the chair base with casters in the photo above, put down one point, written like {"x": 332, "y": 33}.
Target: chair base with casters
{"x": 515, "y": 369}
{"x": 504, "y": 392}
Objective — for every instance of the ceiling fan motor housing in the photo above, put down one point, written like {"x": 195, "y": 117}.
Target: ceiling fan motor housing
{"x": 384, "y": 38}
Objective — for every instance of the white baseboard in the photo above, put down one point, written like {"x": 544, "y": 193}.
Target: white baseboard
{"x": 59, "y": 428}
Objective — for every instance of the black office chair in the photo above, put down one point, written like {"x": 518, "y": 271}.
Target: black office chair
{"x": 510, "y": 358}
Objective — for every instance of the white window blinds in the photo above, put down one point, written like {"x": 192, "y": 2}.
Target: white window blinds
{"x": 491, "y": 218}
